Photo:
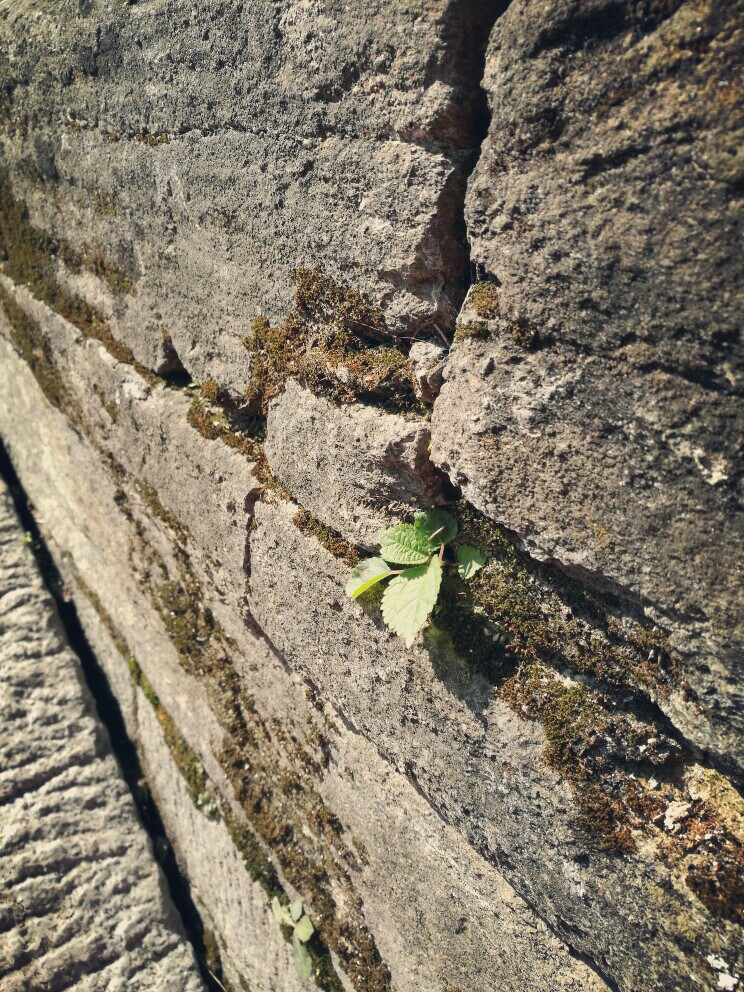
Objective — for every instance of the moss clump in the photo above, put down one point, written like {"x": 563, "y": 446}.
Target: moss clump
{"x": 331, "y": 540}
{"x": 548, "y": 616}
{"x": 113, "y": 631}
{"x": 274, "y": 778}
{"x": 146, "y": 138}
{"x": 332, "y": 341}
{"x": 517, "y": 622}
{"x": 485, "y": 299}
{"x": 716, "y": 876}
{"x": 210, "y": 391}
{"x": 190, "y": 626}
{"x": 576, "y": 721}
{"x": 471, "y": 329}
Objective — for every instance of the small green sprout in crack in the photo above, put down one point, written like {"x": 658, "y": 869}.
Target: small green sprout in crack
{"x": 412, "y": 593}
{"x": 293, "y": 917}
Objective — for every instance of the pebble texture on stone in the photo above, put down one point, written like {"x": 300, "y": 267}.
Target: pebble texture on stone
{"x": 83, "y": 904}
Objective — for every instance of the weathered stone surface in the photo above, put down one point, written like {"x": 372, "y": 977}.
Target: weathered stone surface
{"x": 439, "y": 913}
{"x": 601, "y": 420}
{"x": 356, "y": 469}
{"x": 177, "y": 164}
{"x": 480, "y": 767}
{"x": 208, "y": 153}
{"x": 84, "y": 904}
{"x": 427, "y": 363}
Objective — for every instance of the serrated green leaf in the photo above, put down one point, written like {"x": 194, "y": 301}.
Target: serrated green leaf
{"x": 431, "y": 521}
{"x": 302, "y": 961}
{"x": 406, "y": 544}
{"x": 470, "y": 560}
{"x": 295, "y": 910}
{"x": 366, "y": 574}
{"x": 304, "y": 929}
{"x": 410, "y": 598}
{"x": 280, "y": 913}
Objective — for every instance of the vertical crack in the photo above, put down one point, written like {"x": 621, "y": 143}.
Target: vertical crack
{"x": 459, "y": 133}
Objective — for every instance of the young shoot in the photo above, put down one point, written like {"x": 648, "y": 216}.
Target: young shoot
{"x": 302, "y": 930}
{"x": 412, "y": 592}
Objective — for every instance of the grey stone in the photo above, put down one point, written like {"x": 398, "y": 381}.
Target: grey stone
{"x": 210, "y": 152}
{"x": 355, "y": 468}
{"x": 427, "y": 364}
{"x": 84, "y": 904}
{"x": 440, "y": 913}
{"x": 480, "y": 767}
{"x": 605, "y": 210}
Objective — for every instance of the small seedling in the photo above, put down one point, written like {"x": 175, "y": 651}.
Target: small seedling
{"x": 302, "y": 930}
{"x": 412, "y": 593}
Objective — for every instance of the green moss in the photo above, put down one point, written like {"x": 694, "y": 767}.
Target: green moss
{"x": 546, "y": 615}
{"x": 575, "y": 720}
{"x": 114, "y": 633}
{"x": 106, "y": 204}
{"x": 717, "y": 876}
{"x": 30, "y": 257}
{"x": 111, "y": 408}
{"x": 331, "y": 540}
{"x": 517, "y": 622}
{"x": 335, "y": 342}
{"x": 213, "y": 423}
{"x": 189, "y": 624}
{"x": 484, "y": 297}
{"x": 29, "y": 339}
{"x": 471, "y": 329}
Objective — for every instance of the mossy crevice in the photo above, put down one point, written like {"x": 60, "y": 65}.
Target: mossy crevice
{"x": 272, "y": 773}
{"x": 589, "y": 673}
{"x": 30, "y": 256}
{"x": 94, "y": 261}
{"x": 29, "y": 339}
{"x": 335, "y": 342}
{"x": 485, "y": 300}
{"x": 331, "y": 540}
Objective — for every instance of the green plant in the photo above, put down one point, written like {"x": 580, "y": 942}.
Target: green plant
{"x": 412, "y": 593}
{"x": 302, "y": 930}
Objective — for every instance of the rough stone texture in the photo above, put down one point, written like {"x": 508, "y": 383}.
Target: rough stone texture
{"x": 606, "y": 208}
{"x": 266, "y": 137}
{"x": 359, "y": 470}
{"x": 183, "y": 160}
{"x": 84, "y": 905}
{"x": 441, "y": 915}
{"x": 428, "y": 362}
{"x": 480, "y": 767}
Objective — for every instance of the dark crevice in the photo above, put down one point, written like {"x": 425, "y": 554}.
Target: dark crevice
{"x": 110, "y": 715}
{"x": 458, "y": 132}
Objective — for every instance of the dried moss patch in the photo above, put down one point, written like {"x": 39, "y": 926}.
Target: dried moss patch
{"x": 273, "y": 776}
{"x": 548, "y": 616}
{"x": 335, "y": 342}
{"x": 95, "y": 262}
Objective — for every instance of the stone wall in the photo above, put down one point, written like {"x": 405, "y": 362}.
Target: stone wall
{"x": 273, "y": 277}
